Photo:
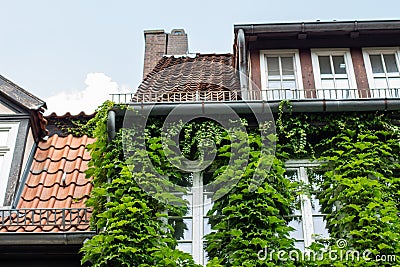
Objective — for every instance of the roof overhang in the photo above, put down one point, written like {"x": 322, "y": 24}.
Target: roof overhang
{"x": 249, "y": 107}
{"x": 61, "y": 238}
{"x": 297, "y": 35}
{"x": 319, "y": 27}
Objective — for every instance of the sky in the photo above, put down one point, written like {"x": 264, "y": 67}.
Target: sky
{"x": 74, "y": 53}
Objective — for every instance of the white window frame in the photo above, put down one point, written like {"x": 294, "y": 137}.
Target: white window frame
{"x": 301, "y": 167}
{"x": 198, "y": 215}
{"x": 368, "y": 67}
{"x": 7, "y": 153}
{"x": 315, "y": 53}
{"x": 297, "y": 71}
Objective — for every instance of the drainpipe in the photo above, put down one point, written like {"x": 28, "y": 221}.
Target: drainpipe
{"x": 242, "y": 64}
{"x": 111, "y": 125}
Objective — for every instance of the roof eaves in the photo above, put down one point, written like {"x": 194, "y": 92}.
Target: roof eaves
{"x": 319, "y": 26}
{"x": 51, "y": 238}
{"x": 19, "y": 95}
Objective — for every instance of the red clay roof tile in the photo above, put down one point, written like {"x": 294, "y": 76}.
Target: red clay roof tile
{"x": 212, "y": 73}
{"x": 56, "y": 181}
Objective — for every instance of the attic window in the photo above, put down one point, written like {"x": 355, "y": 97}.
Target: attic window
{"x": 8, "y": 137}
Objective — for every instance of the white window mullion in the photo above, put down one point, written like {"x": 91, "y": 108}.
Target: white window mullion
{"x": 385, "y": 71}
{"x": 306, "y": 210}
{"x": 282, "y": 89}
{"x": 333, "y": 77}
{"x": 198, "y": 254}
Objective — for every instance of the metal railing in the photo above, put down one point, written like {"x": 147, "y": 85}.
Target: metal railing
{"x": 63, "y": 219}
{"x": 267, "y": 95}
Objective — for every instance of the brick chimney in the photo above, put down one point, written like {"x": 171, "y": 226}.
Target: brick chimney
{"x": 159, "y": 43}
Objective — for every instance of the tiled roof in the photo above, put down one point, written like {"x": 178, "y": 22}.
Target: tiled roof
{"x": 57, "y": 124}
{"x": 56, "y": 181}
{"x": 201, "y": 73}
{"x": 81, "y": 114}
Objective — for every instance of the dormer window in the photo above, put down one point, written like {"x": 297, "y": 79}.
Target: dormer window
{"x": 8, "y": 137}
{"x": 334, "y": 74}
{"x": 383, "y": 67}
{"x": 280, "y": 74}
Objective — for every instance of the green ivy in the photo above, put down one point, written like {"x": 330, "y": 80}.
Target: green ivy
{"x": 360, "y": 191}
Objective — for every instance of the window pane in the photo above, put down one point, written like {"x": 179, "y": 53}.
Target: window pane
{"x": 394, "y": 82}
{"x": 185, "y": 247}
{"x": 299, "y": 245}
{"x": 207, "y": 204}
{"x": 320, "y": 227}
{"x": 342, "y": 84}
{"x": 287, "y": 65}
{"x": 376, "y": 63}
{"x": 380, "y": 83}
{"x": 205, "y": 258}
{"x": 189, "y": 206}
{"x": 324, "y": 65}
{"x": 328, "y": 84}
{"x": 291, "y": 175}
{"x": 390, "y": 62}
{"x": 316, "y": 207}
{"x": 274, "y": 84}
{"x": 339, "y": 65}
{"x": 273, "y": 66}
{"x": 182, "y": 228}
{"x": 297, "y": 233}
{"x": 289, "y": 84}
{"x": 207, "y": 226}
{"x": 3, "y": 137}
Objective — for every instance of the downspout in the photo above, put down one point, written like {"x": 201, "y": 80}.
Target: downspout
{"x": 242, "y": 64}
{"x": 111, "y": 125}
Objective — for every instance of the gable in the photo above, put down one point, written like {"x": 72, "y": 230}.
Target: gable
{"x": 19, "y": 96}
{"x": 5, "y": 109}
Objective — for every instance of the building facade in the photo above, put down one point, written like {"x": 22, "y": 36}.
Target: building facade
{"x": 315, "y": 79}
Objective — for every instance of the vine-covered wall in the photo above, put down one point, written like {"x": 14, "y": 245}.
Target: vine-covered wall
{"x": 361, "y": 191}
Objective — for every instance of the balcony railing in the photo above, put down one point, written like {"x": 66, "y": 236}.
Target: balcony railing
{"x": 267, "y": 95}
{"x": 44, "y": 218}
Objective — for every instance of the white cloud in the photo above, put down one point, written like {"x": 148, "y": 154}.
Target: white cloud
{"x": 98, "y": 89}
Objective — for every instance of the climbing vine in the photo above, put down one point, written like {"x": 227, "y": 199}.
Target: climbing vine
{"x": 359, "y": 190}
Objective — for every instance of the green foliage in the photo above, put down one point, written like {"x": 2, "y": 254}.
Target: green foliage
{"x": 360, "y": 190}
{"x": 360, "y": 185}
{"x": 133, "y": 229}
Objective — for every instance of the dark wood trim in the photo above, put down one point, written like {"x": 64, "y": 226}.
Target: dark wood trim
{"x": 326, "y": 42}
{"x": 307, "y": 73}
{"x": 14, "y": 116}
{"x": 11, "y": 106}
{"x": 16, "y": 164}
{"x": 255, "y": 69}
{"x": 360, "y": 71}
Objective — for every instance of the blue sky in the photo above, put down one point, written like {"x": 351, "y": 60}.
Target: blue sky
{"x": 69, "y": 50}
